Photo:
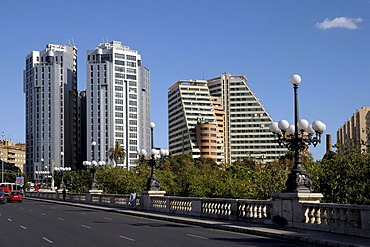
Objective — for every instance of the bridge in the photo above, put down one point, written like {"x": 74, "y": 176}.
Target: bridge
{"x": 291, "y": 216}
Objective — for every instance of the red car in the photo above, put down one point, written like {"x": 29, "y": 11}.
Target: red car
{"x": 15, "y": 196}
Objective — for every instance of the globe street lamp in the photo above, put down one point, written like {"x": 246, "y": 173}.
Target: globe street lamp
{"x": 62, "y": 169}
{"x": 93, "y": 164}
{"x": 297, "y": 138}
{"x": 152, "y": 183}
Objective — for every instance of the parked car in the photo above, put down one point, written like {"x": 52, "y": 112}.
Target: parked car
{"x": 15, "y": 196}
{"x": 2, "y": 196}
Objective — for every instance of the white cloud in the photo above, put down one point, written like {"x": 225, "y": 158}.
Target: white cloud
{"x": 339, "y": 22}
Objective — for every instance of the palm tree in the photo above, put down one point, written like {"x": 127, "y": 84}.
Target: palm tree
{"x": 117, "y": 154}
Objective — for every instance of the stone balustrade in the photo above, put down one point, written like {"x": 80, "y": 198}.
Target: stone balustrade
{"x": 340, "y": 218}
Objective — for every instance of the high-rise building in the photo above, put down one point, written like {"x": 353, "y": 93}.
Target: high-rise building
{"x": 50, "y": 87}
{"x": 219, "y": 118}
{"x": 118, "y": 102}
{"x": 355, "y": 132}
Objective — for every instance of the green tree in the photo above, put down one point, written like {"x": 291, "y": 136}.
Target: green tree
{"x": 117, "y": 154}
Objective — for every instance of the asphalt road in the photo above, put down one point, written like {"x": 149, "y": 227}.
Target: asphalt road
{"x": 35, "y": 223}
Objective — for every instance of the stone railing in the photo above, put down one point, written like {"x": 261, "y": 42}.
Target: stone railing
{"x": 339, "y": 218}
{"x": 227, "y": 209}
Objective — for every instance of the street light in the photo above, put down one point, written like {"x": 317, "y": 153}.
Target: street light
{"x": 93, "y": 164}
{"x": 62, "y": 169}
{"x": 297, "y": 138}
{"x": 152, "y": 183}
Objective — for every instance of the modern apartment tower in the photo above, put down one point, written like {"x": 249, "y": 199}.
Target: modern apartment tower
{"x": 240, "y": 122}
{"x": 50, "y": 87}
{"x": 192, "y": 121}
{"x": 355, "y": 132}
{"x": 118, "y": 102}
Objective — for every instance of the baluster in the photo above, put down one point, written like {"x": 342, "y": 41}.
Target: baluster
{"x": 306, "y": 214}
{"x": 318, "y": 215}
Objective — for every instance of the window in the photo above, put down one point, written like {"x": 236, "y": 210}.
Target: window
{"x": 119, "y": 108}
{"x": 132, "y": 83}
{"x": 130, "y": 70}
{"x": 118, "y": 88}
{"x": 119, "y": 127}
{"x": 119, "y": 62}
{"x": 119, "y": 75}
{"x": 118, "y": 82}
{"x": 119, "y": 56}
{"x": 131, "y": 64}
{"x": 132, "y": 58}
{"x": 119, "y": 69}
{"x": 131, "y": 77}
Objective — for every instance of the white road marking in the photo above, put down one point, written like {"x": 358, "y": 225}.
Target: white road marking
{"x": 23, "y": 227}
{"x": 10, "y": 220}
{"x": 106, "y": 218}
{"x": 60, "y": 219}
{"x": 126, "y": 238}
{"x": 47, "y": 240}
{"x": 43, "y": 213}
{"x": 31, "y": 210}
{"x": 196, "y": 236}
{"x": 85, "y": 226}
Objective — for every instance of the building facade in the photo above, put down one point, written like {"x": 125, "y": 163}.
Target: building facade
{"x": 13, "y": 154}
{"x": 118, "y": 102}
{"x": 240, "y": 122}
{"x": 50, "y": 87}
{"x": 354, "y": 133}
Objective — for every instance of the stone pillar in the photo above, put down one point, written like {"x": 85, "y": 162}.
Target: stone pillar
{"x": 146, "y": 195}
{"x": 288, "y": 207}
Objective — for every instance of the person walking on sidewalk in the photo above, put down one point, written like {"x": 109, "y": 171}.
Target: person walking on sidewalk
{"x": 133, "y": 200}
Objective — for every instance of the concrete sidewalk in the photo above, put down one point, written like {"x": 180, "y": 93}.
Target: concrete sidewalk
{"x": 287, "y": 233}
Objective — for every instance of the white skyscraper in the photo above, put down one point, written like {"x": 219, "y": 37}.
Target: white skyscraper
{"x": 50, "y": 87}
{"x": 118, "y": 102}
{"x": 219, "y": 118}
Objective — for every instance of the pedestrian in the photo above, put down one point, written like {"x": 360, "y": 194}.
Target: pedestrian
{"x": 64, "y": 195}
{"x": 133, "y": 200}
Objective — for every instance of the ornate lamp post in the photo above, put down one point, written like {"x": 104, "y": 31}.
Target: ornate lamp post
{"x": 93, "y": 164}
{"x": 152, "y": 183}
{"x": 297, "y": 138}
{"x": 62, "y": 169}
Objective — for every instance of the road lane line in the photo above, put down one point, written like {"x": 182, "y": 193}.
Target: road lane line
{"x": 86, "y": 226}
{"x": 196, "y": 236}
{"x": 106, "y": 218}
{"x": 47, "y": 240}
{"x": 43, "y": 213}
{"x": 60, "y": 219}
{"x": 23, "y": 227}
{"x": 10, "y": 220}
{"x": 126, "y": 238}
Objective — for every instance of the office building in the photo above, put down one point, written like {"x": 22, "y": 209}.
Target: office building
{"x": 220, "y": 118}
{"x": 117, "y": 102}
{"x": 50, "y": 87}
{"x": 354, "y": 133}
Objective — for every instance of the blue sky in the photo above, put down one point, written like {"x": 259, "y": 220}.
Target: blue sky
{"x": 326, "y": 42}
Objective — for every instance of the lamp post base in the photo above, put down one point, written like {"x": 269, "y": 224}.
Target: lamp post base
{"x": 298, "y": 181}
{"x": 146, "y": 198}
{"x": 288, "y": 207}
